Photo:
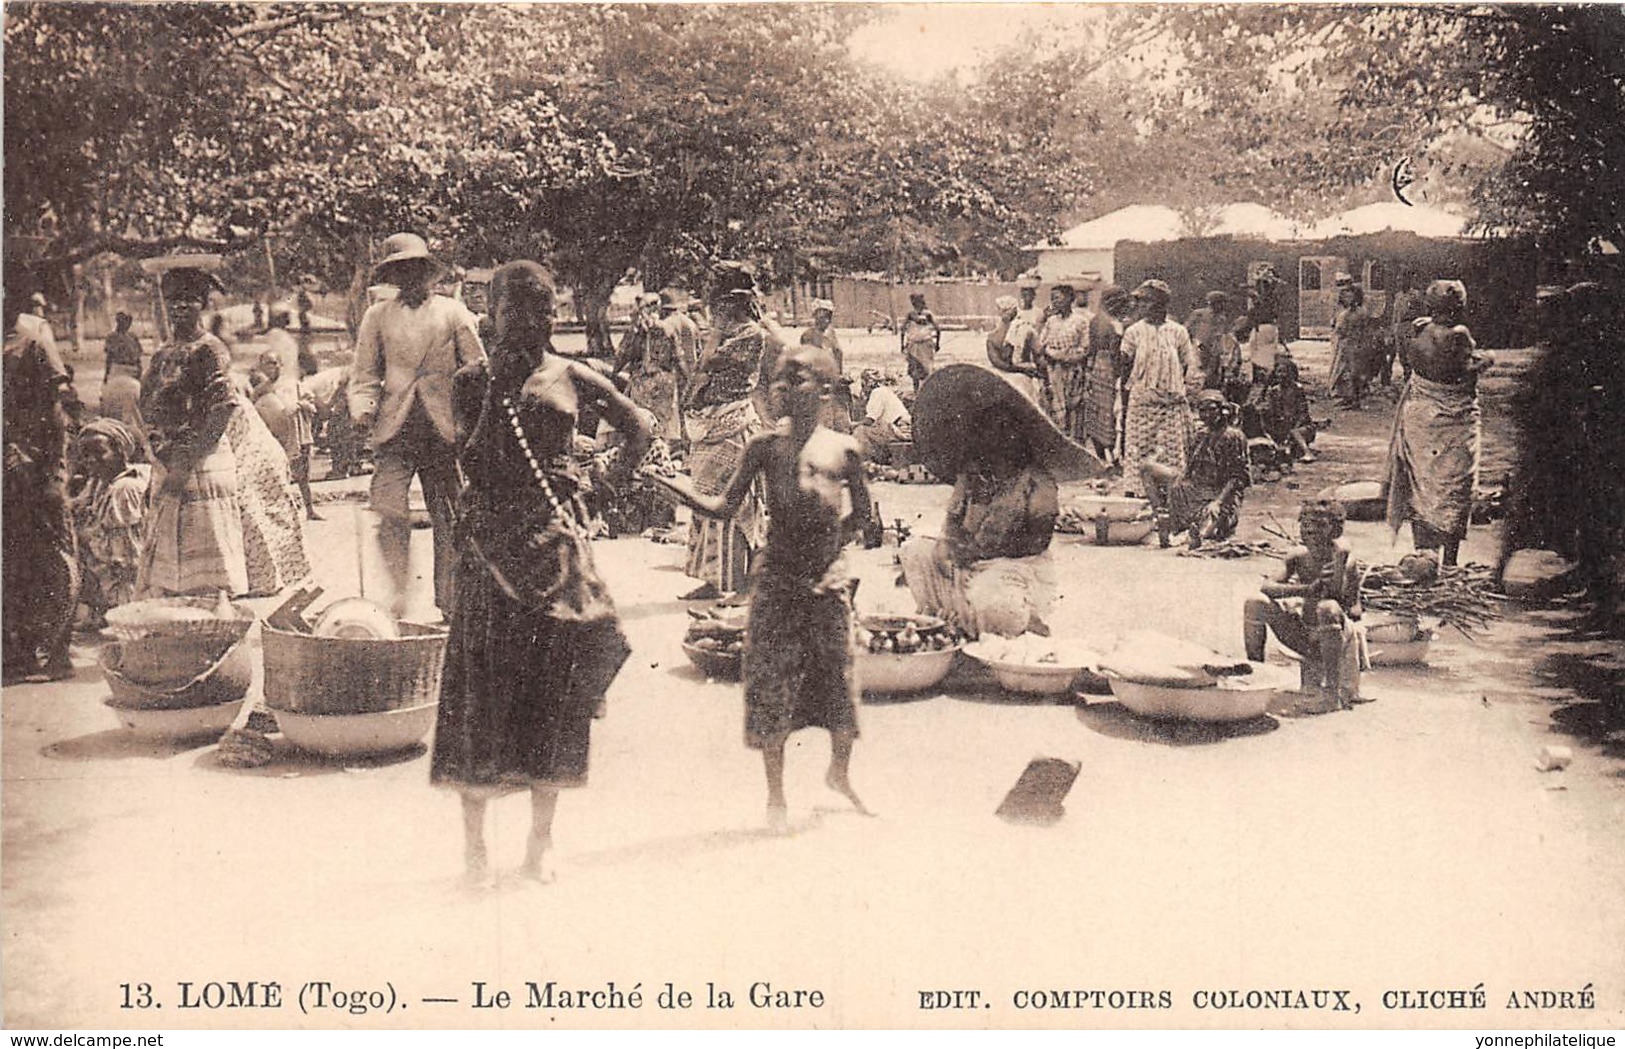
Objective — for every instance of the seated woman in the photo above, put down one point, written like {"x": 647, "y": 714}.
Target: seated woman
{"x": 1312, "y": 608}
{"x": 1204, "y": 500}
{"x": 990, "y": 572}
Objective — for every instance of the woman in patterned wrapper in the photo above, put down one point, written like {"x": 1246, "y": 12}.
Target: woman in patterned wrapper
{"x": 535, "y": 640}
{"x": 222, "y": 514}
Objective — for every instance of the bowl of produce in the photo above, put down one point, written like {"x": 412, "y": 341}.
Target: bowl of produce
{"x": 175, "y": 723}
{"x": 354, "y": 735}
{"x": 1239, "y": 697}
{"x": 223, "y": 678}
{"x": 904, "y": 653}
{"x": 715, "y": 642}
{"x": 1035, "y": 664}
{"x": 716, "y": 657}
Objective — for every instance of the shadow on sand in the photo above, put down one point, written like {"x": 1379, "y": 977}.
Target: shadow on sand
{"x": 1114, "y": 720}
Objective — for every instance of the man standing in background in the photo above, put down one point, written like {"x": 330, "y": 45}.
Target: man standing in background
{"x": 407, "y": 350}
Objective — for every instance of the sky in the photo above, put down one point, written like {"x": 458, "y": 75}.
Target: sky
{"x": 922, "y": 41}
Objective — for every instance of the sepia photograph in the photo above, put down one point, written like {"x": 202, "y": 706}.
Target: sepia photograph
{"x": 813, "y": 516}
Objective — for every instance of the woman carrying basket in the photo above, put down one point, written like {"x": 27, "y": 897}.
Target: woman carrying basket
{"x": 535, "y": 640}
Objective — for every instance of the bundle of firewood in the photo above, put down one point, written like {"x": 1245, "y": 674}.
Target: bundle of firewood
{"x": 1461, "y": 596}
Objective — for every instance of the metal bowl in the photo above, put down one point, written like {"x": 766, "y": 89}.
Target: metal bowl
{"x": 356, "y": 617}
{"x": 911, "y": 672}
{"x": 724, "y": 666}
{"x": 1113, "y": 507}
{"x": 1232, "y": 699}
{"x": 351, "y": 735}
{"x": 176, "y": 723}
{"x": 1031, "y": 676}
{"x": 1399, "y": 653}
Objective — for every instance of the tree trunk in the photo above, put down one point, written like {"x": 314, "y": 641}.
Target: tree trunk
{"x": 360, "y": 273}
{"x": 592, "y": 305}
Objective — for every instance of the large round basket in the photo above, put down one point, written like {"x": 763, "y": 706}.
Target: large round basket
{"x": 157, "y": 617}
{"x": 306, "y": 674}
{"x": 225, "y": 679}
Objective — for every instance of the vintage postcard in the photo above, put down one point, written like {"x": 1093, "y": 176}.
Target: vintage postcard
{"x": 798, "y": 516}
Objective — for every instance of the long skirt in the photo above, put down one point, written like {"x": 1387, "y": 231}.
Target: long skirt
{"x": 1001, "y": 595}
{"x": 1100, "y": 402}
{"x": 1433, "y": 458}
{"x": 1157, "y": 432}
{"x": 520, "y": 689}
{"x": 1067, "y": 392}
{"x": 798, "y": 662}
{"x": 234, "y": 523}
{"x": 719, "y": 552}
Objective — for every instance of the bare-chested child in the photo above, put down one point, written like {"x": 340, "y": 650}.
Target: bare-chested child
{"x": 798, "y": 639}
{"x": 1313, "y": 605}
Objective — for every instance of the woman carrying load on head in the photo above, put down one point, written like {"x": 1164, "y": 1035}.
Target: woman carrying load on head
{"x": 990, "y": 571}
{"x": 535, "y": 640}
{"x": 222, "y": 514}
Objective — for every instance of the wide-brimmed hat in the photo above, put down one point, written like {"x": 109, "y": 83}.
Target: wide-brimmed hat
{"x": 823, "y": 304}
{"x": 964, "y": 412}
{"x": 732, "y": 278}
{"x": 399, "y": 247}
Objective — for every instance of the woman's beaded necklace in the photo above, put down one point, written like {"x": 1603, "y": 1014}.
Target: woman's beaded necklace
{"x": 564, "y": 513}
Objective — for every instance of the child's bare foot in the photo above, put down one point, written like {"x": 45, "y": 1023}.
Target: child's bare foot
{"x": 839, "y": 783}
{"x": 778, "y": 819}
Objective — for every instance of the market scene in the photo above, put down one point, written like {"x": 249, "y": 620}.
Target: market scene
{"x": 1088, "y": 505}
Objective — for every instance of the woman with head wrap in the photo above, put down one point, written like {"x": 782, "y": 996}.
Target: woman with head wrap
{"x": 108, "y": 514}
{"x": 726, "y": 407}
{"x": 535, "y": 640}
{"x": 1203, "y": 499}
{"x": 222, "y": 515}
{"x": 1433, "y": 451}
{"x": 1063, "y": 343}
{"x": 1162, "y": 373}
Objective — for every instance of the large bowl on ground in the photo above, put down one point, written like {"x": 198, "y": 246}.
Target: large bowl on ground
{"x": 305, "y": 674}
{"x": 176, "y": 724}
{"x": 1040, "y": 676}
{"x": 715, "y": 663}
{"x": 1119, "y": 533}
{"x": 222, "y": 680}
{"x": 195, "y": 617}
{"x": 891, "y": 672}
{"x": 1240, "y": 698}
{"x": 1399, "y": 653}
{"x": 1115, "y": 508}
{"x": 355, "y": 735}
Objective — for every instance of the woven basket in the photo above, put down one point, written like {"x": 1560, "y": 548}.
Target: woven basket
{"x": 225, "y": 679}
{"x": 306, "y": 674}
{"x": 143, "y": 619}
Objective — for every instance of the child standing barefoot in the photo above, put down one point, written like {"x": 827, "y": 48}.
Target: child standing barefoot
{"x": 798, "y": 640}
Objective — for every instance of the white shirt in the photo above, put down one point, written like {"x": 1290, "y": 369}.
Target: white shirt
{"x": 886, "y": 408}
{"x": 1164, "y": 359}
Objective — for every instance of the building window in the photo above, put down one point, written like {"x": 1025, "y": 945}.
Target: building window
{"x": 1308, "y": 275}
{"x": 1376, "y": 276}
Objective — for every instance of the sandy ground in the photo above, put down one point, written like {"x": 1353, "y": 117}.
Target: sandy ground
{"x": 1407, "y": 845}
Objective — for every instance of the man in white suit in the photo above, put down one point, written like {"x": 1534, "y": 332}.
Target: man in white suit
{"x": 407, "y": 350}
